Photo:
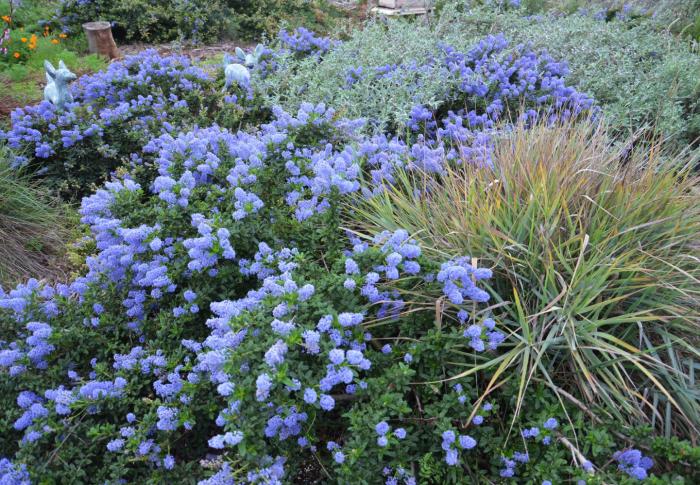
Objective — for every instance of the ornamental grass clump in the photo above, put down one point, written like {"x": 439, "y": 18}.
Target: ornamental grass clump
{"x": 595, "y": 253}
{"x": 33, "y": 227}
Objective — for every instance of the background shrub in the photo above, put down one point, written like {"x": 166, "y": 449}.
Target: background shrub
{"x": 149, "y": 21}
{"x": 675, "y": 15}
{"x": 198, "y": 20}
{"x": 252, "y": 19}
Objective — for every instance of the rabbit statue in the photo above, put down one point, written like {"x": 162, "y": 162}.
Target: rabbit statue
{"x": 239, "y": 72}
{"x": 235, "y": 73}
{"x": 250, "y": 60}
{"x": 56, "y": 90}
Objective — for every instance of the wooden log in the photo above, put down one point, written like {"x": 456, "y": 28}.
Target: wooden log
{"x": 100, "y": 40}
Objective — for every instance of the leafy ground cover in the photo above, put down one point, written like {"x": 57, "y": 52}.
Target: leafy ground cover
{"x": 470, "y": 283}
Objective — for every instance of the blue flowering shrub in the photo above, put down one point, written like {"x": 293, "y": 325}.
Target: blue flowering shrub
{"x": 118, "y": 111}
{"x": 640, "y": 77}
{"x": 115, "y": 113}
{"x": 370, "y": 76}
{"x": 197, "y": 21}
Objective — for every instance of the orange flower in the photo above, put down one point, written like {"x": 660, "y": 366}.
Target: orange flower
{"x": 23, "y": 39}
{"x": 7, "y": 18}
{"x": 55, "y": 41}
{"x": 16, "y": 55}
{"x": 63, "y": 36}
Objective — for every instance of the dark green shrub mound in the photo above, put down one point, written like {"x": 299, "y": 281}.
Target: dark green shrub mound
{"x": 198, "y": 20}
{"x": 251, "y": 18}
{"x": 150, "y": 21}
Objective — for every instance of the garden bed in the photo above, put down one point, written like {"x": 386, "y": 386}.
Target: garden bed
{"x": 419, "y": 253}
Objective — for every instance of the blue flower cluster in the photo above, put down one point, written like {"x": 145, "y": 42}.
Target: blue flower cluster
{"x": 634, "y": 463}
{"x": 533, "y": 433}
{"x": 303, "y": 42}
{"x": 13, "y": 475}
{"x": 399, "y": 476}
{"x": 452, "y": 443}
{"x": 486, "y": 85}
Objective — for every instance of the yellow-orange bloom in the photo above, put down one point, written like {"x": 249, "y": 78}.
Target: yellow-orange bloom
{"x": 63, "y": 36}
{"x": 16, "y": 55}
{"x": 7, "y": 18}
{"x": 55, "y": 41}
{"x": 23, "y": 39}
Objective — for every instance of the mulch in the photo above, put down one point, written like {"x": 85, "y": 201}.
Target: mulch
{"x": 193, "y": 52}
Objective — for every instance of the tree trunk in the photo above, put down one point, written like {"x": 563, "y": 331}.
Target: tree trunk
{"x": 100, "y": 41}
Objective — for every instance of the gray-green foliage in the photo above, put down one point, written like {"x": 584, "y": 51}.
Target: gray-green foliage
{"x": 382, "y": 100}
{"x": 640, "y": 76}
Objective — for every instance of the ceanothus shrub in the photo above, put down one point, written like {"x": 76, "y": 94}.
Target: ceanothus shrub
{"x": 489, "y": 83}
{"x": 155, "y": 21}
{"x": 115, "y": 113}
{"x": 142, "y": 352}
{"x": 227, "y": 330}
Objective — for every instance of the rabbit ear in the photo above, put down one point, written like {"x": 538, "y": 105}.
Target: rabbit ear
{"x": 240, "y": 53}
{"x": 258, "y": 50}
{"x": 50, "y": 70}
{"x": 61, "y": 65}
